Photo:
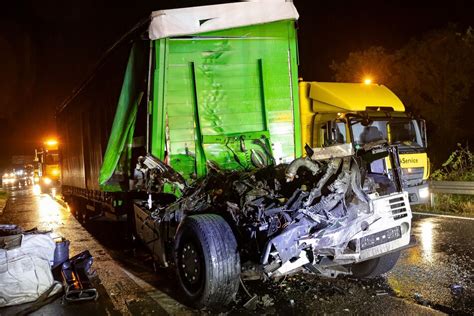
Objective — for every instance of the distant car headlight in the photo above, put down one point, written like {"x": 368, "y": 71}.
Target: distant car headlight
{"x": 424, "y": 193}
{"x": 36, "y": 189}
{"x": 47, "y": 180}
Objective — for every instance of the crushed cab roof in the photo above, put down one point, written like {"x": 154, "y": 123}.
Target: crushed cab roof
{"x": 195, "y": 20}
{"x": 341, "y": 97}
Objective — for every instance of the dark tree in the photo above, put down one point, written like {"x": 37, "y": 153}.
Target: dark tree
{"x": 433, "y": 76}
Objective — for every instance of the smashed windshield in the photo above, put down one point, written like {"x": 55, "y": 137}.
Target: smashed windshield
{"x": 405, "y": 133}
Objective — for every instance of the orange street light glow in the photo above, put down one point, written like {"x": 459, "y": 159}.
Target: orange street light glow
{"x": 51, "y": 142}
{"x": 367, "y": 81}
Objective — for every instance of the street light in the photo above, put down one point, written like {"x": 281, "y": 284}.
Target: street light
{"x": 51, "y": 142}
{"x": 367, "y": 80}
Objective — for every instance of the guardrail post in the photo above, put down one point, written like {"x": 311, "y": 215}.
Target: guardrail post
{"x": 432, "y": 199}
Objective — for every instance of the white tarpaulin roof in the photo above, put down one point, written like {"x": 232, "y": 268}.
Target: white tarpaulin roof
{"x": 194, "y": 20}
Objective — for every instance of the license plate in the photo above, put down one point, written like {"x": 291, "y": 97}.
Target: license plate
{"x": 380, "y": 238}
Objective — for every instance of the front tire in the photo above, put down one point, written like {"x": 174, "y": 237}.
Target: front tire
{"x": 374, "y": 267}
{"x": 207, "y": 261}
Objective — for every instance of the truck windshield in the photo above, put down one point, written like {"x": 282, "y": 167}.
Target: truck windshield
{"x": 405, "y": 133}
{"x": 51, "y": 159}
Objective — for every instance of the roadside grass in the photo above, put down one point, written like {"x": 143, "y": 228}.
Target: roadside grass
{"x": 453, "y": 204}
{"x": 458, "y": 167}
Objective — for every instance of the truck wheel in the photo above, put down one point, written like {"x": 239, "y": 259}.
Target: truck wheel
{"x": 72, "y": 206}
{"x": 207, "y": 261}
{"x": 375, "y": 267}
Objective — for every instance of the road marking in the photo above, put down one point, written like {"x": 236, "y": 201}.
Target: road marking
{"x": 170, "y": 305}
{"x": 442, "y": 215}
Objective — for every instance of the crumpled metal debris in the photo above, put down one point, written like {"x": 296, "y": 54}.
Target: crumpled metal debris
{"x": 275, "y": 206}
{"x": 251, "y": 304}
{"x": 456, "y": 289}
{"x": 279, "y": 211}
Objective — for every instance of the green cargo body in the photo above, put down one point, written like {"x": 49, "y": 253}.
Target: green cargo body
{"x": 216, "y": 93}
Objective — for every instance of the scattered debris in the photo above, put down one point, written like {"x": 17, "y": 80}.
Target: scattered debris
{"x": 267, "y": 301}
{"x": 251, "y": 304}
{"x": 8, "y": 230}
{"x": 420, "y": 299}
{"x": 25, "y": 265}
{"x": 76, "y": 282}
{"x": 287, "y": 217}
{"x": 457, "y": 289}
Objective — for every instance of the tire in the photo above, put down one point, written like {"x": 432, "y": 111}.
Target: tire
{"x": 72, "y": 206}
{"x": 207, "y": 261}
{"x": 375, "y": 267}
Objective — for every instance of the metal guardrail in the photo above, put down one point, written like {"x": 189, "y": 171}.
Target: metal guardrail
{"x": 452, "y": 187}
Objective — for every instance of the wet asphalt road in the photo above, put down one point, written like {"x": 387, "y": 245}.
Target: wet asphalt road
{"x": 118, "y": 294}
{"x": 434, "y": 277}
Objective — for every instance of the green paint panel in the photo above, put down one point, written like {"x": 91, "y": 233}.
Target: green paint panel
{"x": 225, "y": 84}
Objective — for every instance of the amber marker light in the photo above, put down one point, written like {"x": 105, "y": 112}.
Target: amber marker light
{"x": 51, "y": 142}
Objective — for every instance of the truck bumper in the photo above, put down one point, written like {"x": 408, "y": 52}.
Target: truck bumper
{"x": 386, "y": 229}
{"x": 419, "y": 194}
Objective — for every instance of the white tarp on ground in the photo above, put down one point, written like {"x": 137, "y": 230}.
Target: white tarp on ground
{"x": 25, "y": 272}
{"x": 194, "y": 20}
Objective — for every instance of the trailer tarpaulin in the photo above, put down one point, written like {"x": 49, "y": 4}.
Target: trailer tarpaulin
{"x": 195, "y": 20}
{"x": 116, "y": 163}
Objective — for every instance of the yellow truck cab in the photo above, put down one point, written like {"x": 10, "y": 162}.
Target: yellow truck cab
{"x": 360, "y": 113}
{"x": 49, "y": 174}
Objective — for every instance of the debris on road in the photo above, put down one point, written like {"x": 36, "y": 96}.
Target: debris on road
{"x": 420, "y": 299}
{"x": 75, "y": 277}
{"x": 32, "y": 262}
{"x": 457, "y": 289}
{"x": 251, "y": 304}
{"x": 267, "y": 301}
{"x": 25, "y": 264}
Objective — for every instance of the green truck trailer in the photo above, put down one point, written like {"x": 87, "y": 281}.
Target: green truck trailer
{"x": 192, "y": 134}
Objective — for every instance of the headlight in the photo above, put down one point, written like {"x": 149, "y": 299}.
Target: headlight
{"x": 424, "y": 193}
{"x": 413, "y": 171}
{"x": 36, "y": 189}
{"x": 47, "y": 180}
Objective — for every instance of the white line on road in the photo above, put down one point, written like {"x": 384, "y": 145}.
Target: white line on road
{"x": 442, "y": 215}
{"x": 170, "y": 305}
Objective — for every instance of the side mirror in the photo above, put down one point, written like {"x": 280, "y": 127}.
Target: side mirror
{"x": 424, "y": 136}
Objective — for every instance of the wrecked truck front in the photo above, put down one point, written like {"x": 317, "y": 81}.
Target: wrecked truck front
{"x": 360, "y": 236}
{"x": 321, "y": 214}
{"x": 359, "y": 219}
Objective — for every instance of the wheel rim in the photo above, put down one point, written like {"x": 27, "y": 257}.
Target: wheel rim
{"x": 190, "y": 266}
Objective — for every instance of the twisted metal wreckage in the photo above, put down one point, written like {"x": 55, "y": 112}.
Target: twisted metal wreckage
{"x": 324, "y": 213}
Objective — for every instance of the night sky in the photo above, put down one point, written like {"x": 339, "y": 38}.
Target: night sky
{"x": 48, "y": 47}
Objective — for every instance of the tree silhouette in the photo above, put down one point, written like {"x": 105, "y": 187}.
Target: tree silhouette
{"x": 433, "y": 76}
